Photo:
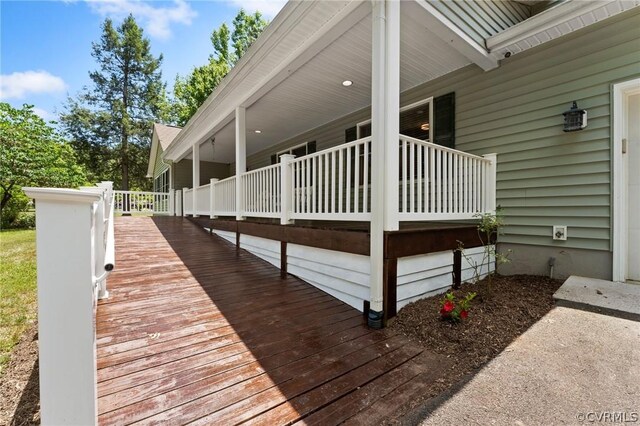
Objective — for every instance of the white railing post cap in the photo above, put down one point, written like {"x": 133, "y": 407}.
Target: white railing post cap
{"x": 62, "y": 195}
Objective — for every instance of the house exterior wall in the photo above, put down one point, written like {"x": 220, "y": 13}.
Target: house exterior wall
{"x": 545, "y": 177}
{"x": 183, "y": 173}
{"x": 482, "y": 19}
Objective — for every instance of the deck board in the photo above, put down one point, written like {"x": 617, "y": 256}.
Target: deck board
{"x": 196, "y": 331}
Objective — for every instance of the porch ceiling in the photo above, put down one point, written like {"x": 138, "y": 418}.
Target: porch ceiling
{"x": 314, "y": 95}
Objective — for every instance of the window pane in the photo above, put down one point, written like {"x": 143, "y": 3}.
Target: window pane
{"x": 414, "y": 122}
{"x": 365, "y": 131}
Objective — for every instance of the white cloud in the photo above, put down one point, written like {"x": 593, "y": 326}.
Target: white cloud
{"x": 156, "y": 21}
{"x": 19, "y": 84}
{"x": 45, "y": 115}
{"x": 268, "y": 8}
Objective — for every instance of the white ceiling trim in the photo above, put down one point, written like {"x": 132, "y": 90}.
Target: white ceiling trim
{"x": 553, "y": 23}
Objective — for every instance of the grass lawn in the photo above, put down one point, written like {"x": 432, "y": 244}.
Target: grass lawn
{"x": 17, "y": 288}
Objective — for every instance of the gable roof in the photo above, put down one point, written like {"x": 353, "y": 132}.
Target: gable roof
{"x": 161, "y": 138}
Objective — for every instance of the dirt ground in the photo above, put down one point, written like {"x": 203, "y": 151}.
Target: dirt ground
{"x": 499, "y": 313}
{"x": 19, "y": 388}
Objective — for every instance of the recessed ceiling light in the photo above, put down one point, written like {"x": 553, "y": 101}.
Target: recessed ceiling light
{"x": 258, "y": 131}
{"x": 347, "y": 83}
{"x": 425, "y": 126}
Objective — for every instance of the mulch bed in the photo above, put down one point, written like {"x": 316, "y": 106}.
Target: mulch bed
{"x": 498, "y": 315}
{"x": 19, "y": 387}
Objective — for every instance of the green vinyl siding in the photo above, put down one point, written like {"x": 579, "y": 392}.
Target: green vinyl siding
{"x": 482, "y": 19}
{"x": 545, "y": 177}
{"x": 159, "y": 167}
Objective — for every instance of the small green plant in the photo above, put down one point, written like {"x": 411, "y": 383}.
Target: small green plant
{"x": 489, "y": 227}
{"x": 455, "y": 310}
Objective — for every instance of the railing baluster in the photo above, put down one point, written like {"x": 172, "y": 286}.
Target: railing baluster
{"x": 420, "y": 208}
{"x": 333, "y": 182}
{"x": 340, "y": 180}
{"x": 412, "y": 171}
{"x": 365, "y": 186}
{"x": 356, "y": 181}
{"x": 348, "y": 185}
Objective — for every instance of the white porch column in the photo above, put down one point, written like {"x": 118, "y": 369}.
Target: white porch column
{"x": 196, "y": 174}
{"x": 241, "y": 159}
{"x": 66, "y": 302}
{"x": 385, "y": 106}
{"x": 286, "y": 193}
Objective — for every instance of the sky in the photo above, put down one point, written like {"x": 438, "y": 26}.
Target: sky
{"x": 45, "y": 46}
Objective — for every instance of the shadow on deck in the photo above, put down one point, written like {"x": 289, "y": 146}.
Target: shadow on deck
{"x": 195, "y": 331}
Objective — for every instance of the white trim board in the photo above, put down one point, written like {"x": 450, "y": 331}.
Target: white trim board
{"x": 621, "y": 91}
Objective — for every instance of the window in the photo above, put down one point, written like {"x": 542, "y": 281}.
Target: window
{"x": 415, "y": 121}
{"x": 161, "y": 182}
{"x": 298, "y": 150}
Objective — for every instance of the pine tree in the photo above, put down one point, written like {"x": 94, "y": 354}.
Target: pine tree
{"x": 110, "y": 122}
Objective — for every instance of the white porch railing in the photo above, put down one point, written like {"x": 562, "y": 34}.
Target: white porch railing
{"x": 443, "y": 183}
{"x": 75, "y": 253}
{"x": 332, "y": 184}
{"x": 203, "y": 200}
{"x": 187, "y": 201}
{"x": 262, "y": 191}
{"x": 224, "y": 203}
{"x": 434, "y": 183}
{"x": 132, "y": 202}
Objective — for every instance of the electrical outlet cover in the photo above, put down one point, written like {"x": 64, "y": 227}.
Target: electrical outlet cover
{"x": 560, "y": 232}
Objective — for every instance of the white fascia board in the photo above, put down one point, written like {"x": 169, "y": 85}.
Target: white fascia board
{"x": 152, "y": 154}
{"x": 231, "y": 93}
{"x": 448, "y": 32}
{"x": 543, "y": 21}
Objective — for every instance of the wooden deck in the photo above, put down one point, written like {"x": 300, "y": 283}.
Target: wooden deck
{"x": 195, "y": 331}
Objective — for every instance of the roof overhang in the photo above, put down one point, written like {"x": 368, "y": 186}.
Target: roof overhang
{"x": 306, "y": 44}
{"x": 553, "y": 23}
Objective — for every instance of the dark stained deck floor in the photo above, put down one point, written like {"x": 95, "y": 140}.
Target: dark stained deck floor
{"x": 194, "y": 331}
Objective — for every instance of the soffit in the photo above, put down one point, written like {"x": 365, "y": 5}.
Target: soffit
{"x": 313, "y": 95}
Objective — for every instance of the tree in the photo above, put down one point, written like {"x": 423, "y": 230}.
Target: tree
{"x": 191, "y": 91}
{"x": 110, "y": 122}
{"x": 32, "y": 153}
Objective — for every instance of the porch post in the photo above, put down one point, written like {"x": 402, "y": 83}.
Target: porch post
{"x": 490, "y": 183}
{"x": 196, "y": 174}
{"x": 385, "y": 101}
{"x": 66, "y": 240}
{"x": 241, "y": 159}
{"x": 184, "y": 205}
{"x": 212, "y": 198}
{"x": 286, "y": 193}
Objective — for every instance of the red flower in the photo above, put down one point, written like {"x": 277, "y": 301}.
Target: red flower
{"x": 464, "y": 314}
{"x": 448, "y": 306}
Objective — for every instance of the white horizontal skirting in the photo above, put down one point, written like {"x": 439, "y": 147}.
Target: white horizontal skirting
{"x": 345, "y": 276}
{"x": 227, "y": 235}
{"x": 268, "y": 250}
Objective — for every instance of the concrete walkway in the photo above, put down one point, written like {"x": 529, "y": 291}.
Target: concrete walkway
{"x": 600, "y": 296}
{"x": 571, "y": 365}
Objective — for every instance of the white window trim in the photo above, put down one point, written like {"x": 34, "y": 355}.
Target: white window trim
{"x": 290, "y": 149}
{"x": 405, "y": 108}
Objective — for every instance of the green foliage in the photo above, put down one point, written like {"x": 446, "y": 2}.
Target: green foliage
{"x": 191, "y": 91}
{"x": 489, "y": 227}
{"x": 33, "y": 154}
{"x": 455, "y": 310}
{"x": 17, "y": 288}
{"x": 109, "y": 124}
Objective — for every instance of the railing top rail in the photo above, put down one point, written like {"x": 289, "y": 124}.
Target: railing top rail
{"x": 443, "y": 148}
{"x": 140, "y": 192}
{"x": 335, "y": 148}
{"x": 262, "y": 169}
{"x": 203, "y": 186}
{"x": 230, "y": 178}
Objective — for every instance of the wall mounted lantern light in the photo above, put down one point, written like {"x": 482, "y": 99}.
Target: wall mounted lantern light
{"x": 575, "y": 118}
